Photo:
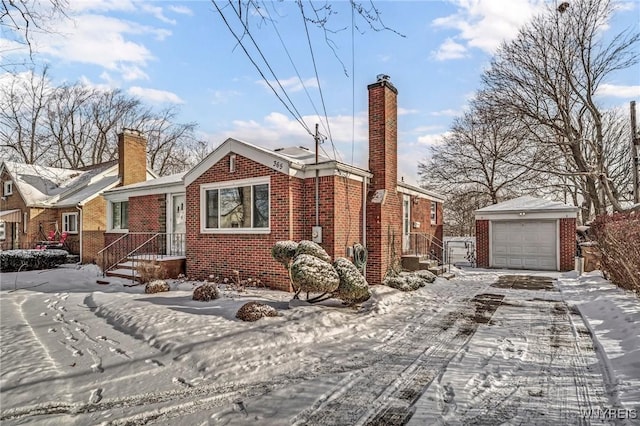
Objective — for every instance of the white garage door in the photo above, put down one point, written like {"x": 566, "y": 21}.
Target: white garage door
{"x": 524, "y": 244}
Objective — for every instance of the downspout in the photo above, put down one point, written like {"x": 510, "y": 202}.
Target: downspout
{"x": 81, "y": 229}
{"x": 364, "y": 220}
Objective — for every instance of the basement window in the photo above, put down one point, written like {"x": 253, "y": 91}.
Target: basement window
{"x": 235, "y": 207}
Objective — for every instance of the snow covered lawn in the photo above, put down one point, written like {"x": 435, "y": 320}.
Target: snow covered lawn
{"x": 484, "y": 348}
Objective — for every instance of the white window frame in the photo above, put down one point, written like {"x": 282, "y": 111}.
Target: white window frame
{"x": 8, "y": 188}
{"x": 434, "y": 212}
{"x": 66, "y": 221}
{"x": 110, "y": 227}
{"x": 233, "y": 184}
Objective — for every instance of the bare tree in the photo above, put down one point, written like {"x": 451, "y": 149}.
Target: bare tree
{"x": 73, "y": 126}
{"x": 485, "y": 154}
{"x": 23, "y": 105}
{"x": 548, "y": 78}
{"x": 20, "y": 19}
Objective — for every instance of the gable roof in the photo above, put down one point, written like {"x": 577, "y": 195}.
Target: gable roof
{"x": 292, "y": 161}
{"x": 527, "y": 203}
{"x": 41, "y": 186}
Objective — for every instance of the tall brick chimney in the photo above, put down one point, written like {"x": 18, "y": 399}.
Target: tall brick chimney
{"x": 132, "y": 156}
{"x": 384, "y": 206}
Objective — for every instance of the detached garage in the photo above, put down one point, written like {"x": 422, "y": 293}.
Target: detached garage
{"x": 526, "y": 233}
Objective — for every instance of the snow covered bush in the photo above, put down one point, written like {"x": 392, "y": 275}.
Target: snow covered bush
{"x": 618, "y": 238}
{"x": 424, "y": 275}
{"x": 284, "y": 252}
{"x": 27, "y": 260}
{"x": 253, "y": 311}
{"x": 313, "y": 275}
{"x": 313, "y": 249}
{"x": 353, "y": 287}
{"x": 156, "y": 286}
{"x": 148, "y": 271}
{"x": 408, "y": 281}
{"x": 206, "y": 292}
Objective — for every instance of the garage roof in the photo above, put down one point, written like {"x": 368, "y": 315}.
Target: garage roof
{"x": 527, "y": 204}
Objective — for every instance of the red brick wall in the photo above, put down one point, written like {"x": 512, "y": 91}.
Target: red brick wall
{"x": 250, "y": 254}
{"x": 148, "y": 213}
{"x": 347, "y": 214}
{"x": 567, "y": 244}
{"x": 482, "y": 243}
{"x": 384, "y": 221}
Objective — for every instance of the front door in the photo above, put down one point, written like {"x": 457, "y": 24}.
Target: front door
{"x": 406, "y": 223}
{"x": 178, "y": 225}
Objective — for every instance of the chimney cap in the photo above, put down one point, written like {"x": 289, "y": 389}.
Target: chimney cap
{"x": 383, "y": 77}
{"x": 134, "y": 132}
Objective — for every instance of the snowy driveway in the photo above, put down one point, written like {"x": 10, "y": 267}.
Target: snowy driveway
{"x": 484, "y": 348}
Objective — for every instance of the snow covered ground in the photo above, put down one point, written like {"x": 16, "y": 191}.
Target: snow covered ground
{"x": 487, "y": 347}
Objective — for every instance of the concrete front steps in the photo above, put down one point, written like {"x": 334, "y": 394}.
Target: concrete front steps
{"x": 417, "y": 263}
{"x": 172, "y": 267}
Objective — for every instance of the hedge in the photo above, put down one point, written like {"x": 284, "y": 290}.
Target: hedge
{"x": 28, "y": 260}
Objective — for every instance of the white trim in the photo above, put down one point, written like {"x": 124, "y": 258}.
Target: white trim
{"x": 402, "y": 188}
{"x": 406, "y": 222}
{"x": 233, "y": 184}
{"x": 270, "y": 159}
{"x": 65, "y": 222}
{"x": 528, "y": 215}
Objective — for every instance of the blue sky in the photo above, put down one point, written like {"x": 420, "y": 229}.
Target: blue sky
{"x": 181, "y": 52}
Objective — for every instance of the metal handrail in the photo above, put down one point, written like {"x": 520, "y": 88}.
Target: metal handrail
{"x": 422, "y": 244}
{"x": 131, "y": 246}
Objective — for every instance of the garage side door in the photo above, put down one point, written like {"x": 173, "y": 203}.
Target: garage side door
{"x": 524, "y": 244}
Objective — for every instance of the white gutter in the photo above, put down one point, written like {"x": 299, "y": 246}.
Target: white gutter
{"x": 81, "y": 228}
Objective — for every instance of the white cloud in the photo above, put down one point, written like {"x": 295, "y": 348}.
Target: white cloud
{"x": 484, "y": 24}
{"x": 446, "y": 113}
{"x": 277, "y": 130}
{"x": 223, "y": 96}
{"x": 182, "y": 10}
{"x": 450, "y": 50}
{"x": 618, "y": 91}
{"x": 97, "y": 40}
{"x": 292, "y": 84}
{"x": 432, "y": 139}
{"x": 155, "y": 95}
{"x": 158, "y": 13}
{"x": 406, "y": 111}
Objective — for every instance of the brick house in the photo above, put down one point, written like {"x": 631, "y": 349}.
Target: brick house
{"x": 526, "y": 233}
{"x": 37, "y": 200}
{"x": 242, "y": 198}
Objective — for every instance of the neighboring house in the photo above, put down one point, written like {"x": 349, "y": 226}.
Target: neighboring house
{"x": 526, "y": 233}
{"x": 38, "y": 200}
{"x": 241, "y": 199}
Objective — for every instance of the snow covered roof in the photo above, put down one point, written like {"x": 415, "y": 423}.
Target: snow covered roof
{"x": 527, "y": 203}
{"x": 163, "y": 184}
{"x": 57, "y": 187}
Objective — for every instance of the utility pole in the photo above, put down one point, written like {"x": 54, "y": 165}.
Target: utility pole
{"x": 635, "y": 140}
{"x": 317, "y": 140}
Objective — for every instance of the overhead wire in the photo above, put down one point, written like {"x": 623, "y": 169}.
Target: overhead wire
{"x": 315, "y": 68}
{"x": 292, "y": 108}
{"x": 275, "y": 27}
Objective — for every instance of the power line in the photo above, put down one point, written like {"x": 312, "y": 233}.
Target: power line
{"x": 294, "y": 66}
{"x": 315, "y": 68}
{"x": 298, "y": 117}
